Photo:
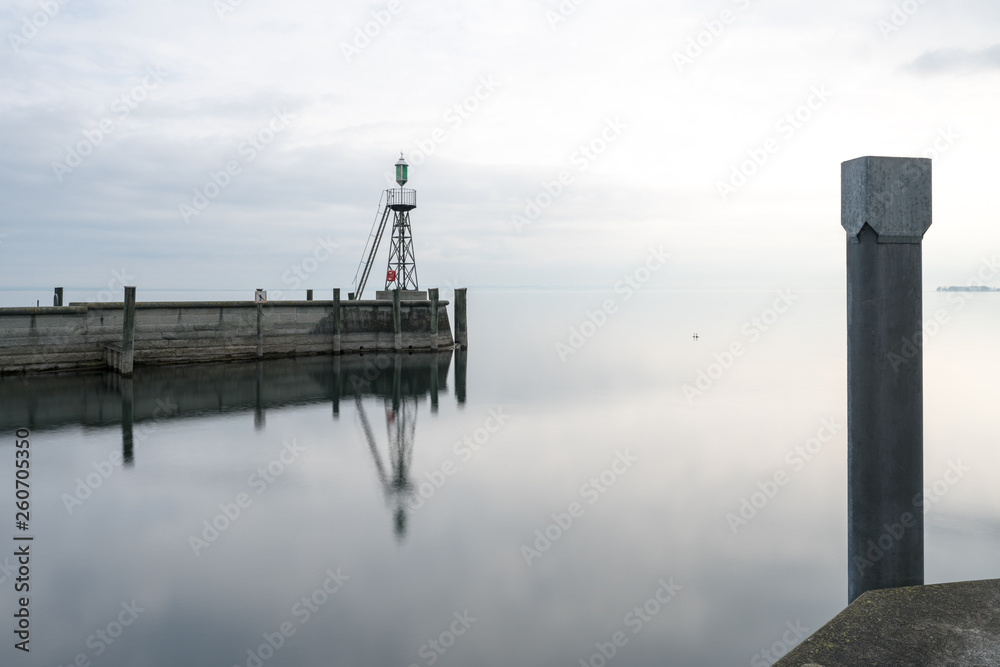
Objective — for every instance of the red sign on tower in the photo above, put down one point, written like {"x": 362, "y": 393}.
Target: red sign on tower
{"x": 390, "y": 276}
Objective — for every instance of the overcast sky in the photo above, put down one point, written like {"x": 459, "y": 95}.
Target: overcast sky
{"x": 221, "y": 143}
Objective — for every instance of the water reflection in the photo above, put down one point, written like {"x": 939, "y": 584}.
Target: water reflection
{"x": 335, "y": 506}
{"x": 128, "y": 421}
{"x": 402, "y": 380}
{"x": 154, "y": 394}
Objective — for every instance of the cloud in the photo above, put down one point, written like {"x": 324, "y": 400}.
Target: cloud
{"x": 943, "y": 61}
{"x": 478, "y": 156}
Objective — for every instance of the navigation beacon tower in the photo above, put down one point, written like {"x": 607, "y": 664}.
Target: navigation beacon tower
{"x": 401, "y": 269}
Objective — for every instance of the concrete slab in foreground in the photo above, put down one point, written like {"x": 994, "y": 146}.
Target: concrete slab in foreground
{"x": 944, "y": 625}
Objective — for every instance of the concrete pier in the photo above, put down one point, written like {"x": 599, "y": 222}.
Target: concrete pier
{"x": 461, "y": 320}
{"x": 84, "y": 336}
{"x": 885, "y": 209}
{"x": 942, "y": 624}
{"x": 128, "y": 333}
{"x": 405, "y": 295}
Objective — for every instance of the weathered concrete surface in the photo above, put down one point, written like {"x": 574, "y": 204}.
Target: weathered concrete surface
{"x": 885, "y": 209}
{"x": 941, "y": 625}
{"x": 891, "y": 194}
{"x": 404, "y": 294}
{"x": 77, "y": 337}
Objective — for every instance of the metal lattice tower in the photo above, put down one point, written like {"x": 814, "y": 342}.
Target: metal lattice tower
{"x": 401, "y": 269}
{"x": 402, "y": 266}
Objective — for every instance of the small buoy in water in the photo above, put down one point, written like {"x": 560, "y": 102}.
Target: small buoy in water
{"x": 695, "y": 337}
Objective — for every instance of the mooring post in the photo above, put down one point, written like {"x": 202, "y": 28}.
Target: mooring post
{"x": 309, "y": 295}
{"x": 433, "y": 294}
{"x": 128, "y": 332}
{"x": 260, "y": 330}
{"x": 885, "y": 208}
{"x": 336, "y": 320}
{"x": 397, "y": 324}
{"x": 57, "y": 298}
{"x": 350, "y": 296}
{"x": 461, "y": 322}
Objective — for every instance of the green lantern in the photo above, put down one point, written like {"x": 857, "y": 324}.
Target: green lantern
{"x": 401, "y": 168}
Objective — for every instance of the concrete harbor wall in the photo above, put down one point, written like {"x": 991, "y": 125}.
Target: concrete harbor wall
{"x": 953, "y": 625}
{"x": 89, "y": 335}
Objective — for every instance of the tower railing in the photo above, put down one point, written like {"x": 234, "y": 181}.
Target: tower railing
{"x": 401, "y": 198}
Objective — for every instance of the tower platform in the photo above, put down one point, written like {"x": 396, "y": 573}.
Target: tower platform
{"x": 404, "y": 295}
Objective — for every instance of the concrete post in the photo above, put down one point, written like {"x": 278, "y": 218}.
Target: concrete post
{"x": 260, "y": 330}
{"x": 433, "y": 294}
{"x": 128, "y": 332}
{"x": 309, "y": 295}
{"x": 336, "y": 320}
{"x": 57, "y": 298}
{"x": 461, "y": 323}
{"x": 350, "y": 296}
{"x": 397, "y": 325}
{"x": 885, "y": 208}
{"x": 128, "y": 422}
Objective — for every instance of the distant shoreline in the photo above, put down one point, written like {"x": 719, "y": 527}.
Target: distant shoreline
{"x": 968, "y": 288}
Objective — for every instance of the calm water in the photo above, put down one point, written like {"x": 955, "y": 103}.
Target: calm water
{"x": 412, "y": 488}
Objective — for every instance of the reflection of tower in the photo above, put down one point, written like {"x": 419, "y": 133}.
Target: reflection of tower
{"x": 400, "y": 422}
{"x": 401, "y": 382}
{"x": 401, "y": 269}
